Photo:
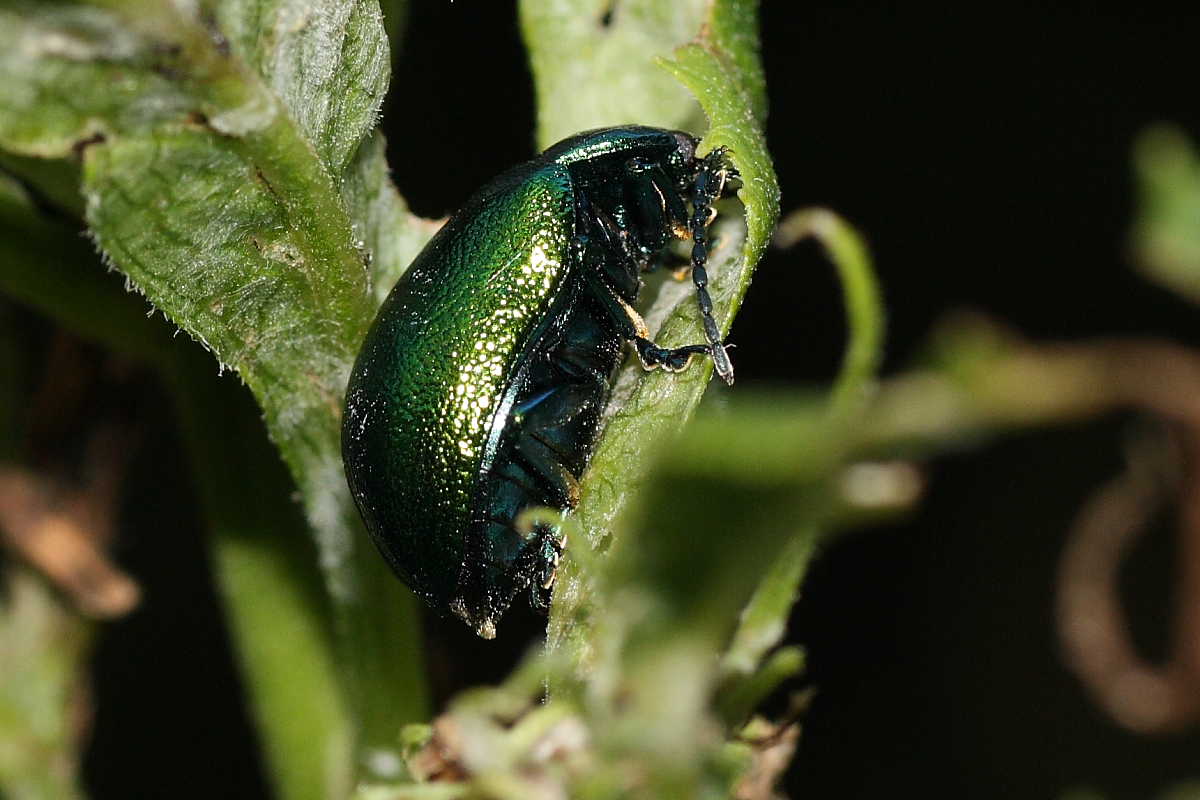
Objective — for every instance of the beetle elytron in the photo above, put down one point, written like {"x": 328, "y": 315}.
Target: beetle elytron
{"x": 479, "y": 389}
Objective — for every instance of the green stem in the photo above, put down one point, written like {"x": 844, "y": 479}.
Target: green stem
{"x": 738, "y": 704}
{"x": 764, "y": 620}
{"x": 266, "y": 574}
{"x": 863, "y": 301}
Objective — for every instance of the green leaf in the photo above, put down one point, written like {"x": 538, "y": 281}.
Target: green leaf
{"x": 268, "y": 578}
{"x": 71, "y": 74}
{"x": 50, "y": 267}
{"x": 593, "y": 63}
{"x": 227, "y": 175}
{"x": 54, "y": 181}
{"x": 326, "y": 63}
{"x": 1166, "y": 236}
{"x": 714, "y": 77}
{"x": 739, "y": 703}
{"x": 389, "y": 233}
{"x": 763, "y": 621}
{"x": 733, "y": 28}
{"x": 270, "y": 584}
{"x": 44, "y": 648}
{"x": 646, "y": 407}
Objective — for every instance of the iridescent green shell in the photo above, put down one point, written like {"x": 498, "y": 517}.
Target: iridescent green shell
{"x": 479, "y": 389}
{"x": 432, "y": 374}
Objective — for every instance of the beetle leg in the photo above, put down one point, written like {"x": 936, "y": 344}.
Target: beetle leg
{"x": 666, "y": 208}
{"x": 547, "y": 551}
{"x": 617, "y": 238}
{"x": 710, "y": 181}
{"x": 544, "y": 463}
{"x": 672, "y": 360}
{"x": 633, "y": 328}
{"x": 623, "y": 273}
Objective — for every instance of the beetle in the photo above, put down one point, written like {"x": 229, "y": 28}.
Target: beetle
{"x": 479, "y": 388}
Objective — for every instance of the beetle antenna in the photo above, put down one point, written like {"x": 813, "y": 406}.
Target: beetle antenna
{"x": 710, "y": 181}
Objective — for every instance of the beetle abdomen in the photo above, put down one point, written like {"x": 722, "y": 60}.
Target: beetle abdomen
{"x": 545, "y": 435}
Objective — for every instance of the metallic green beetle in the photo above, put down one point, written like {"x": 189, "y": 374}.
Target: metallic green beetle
{"x": 478, "y": 391}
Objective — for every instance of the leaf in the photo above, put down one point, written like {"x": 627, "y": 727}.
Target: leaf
{"x": 733, "y": 28}
{"x": 272, "y": 593}
{"x": 728, "y": 101}
{"x": 1166, "y": 236}
{"x": 647, "y": 408}
{"x": 270, "y": 585}
{"x": 51, "y": 268}
{"x": 226, "y": 174}
{"x": 43, "y": 651}
{"x": 54, "y": 57}
{"x": 55, "y": 182}
{"x": 327, "y": 63}
{"x": 763, "y": 621}
{"x": 593, "y": 63}
{"x": 389, "y": 233}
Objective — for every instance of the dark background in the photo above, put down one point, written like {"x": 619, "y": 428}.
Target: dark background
{"x": 986, "y": 156}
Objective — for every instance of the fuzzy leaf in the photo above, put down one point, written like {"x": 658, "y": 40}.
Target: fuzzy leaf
{"x": 226, "y": 174}
{"x": 387, "y": 231}
{"x": 274, "y": 598}
{"x": 733, "y": 28}
{"x": 326, "y": 62}
{"x": 648, "y": 406}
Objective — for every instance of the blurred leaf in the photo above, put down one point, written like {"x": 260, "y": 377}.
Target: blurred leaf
{"x": 71, "y": 74}
{"x": 43, "y": 643}
{"x": 1082, "y": 794}
{"x": 861, "y": 297}
{"x": 712, "y": 538}
{"x": 223, "y": 174}
{"x": 763, "y": 622}
{"x": 741, "y": 495}
{"x": 1184, "y": 790}
{"x": 741, "y": 699}
{"x": 1166, "y": 236}
{"x": 43, "y": 648}
{"x": 270, "y": 584}
{"x": 54, "y": 181}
